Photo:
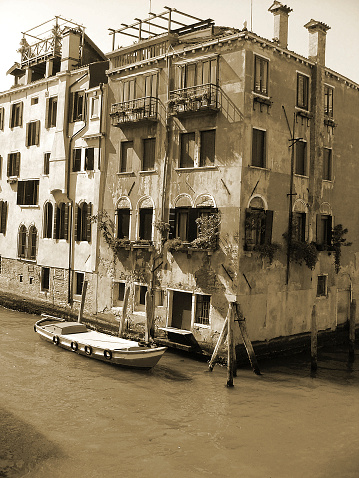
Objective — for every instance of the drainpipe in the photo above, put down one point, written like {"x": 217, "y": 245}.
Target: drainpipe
{"x": 71, "y": 241}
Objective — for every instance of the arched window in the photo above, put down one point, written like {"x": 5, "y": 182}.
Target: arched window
{"x": 123, "y": 214}
{"x": 32, "y": 243}
{"x": 83, "y": 222}
{"x": 145, "y": 219}
{"x": 21, "y": 252}
{"x": 48, "y": 214}
{"x": 61, "y": 221}
{"x": 258, "y": 224}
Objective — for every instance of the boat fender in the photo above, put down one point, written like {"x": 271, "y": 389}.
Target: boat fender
{"x": 56, "y": 339}
{"x": 88, "y": 350}
{"x": 35, "y": 328}
{"x": 107, "y": 354}
{"x": 74, "y": 346}
{"x": 142, "y": 344}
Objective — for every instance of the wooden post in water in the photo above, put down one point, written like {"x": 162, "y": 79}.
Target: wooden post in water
{"x": 149, "y": 316}
{"x": 121, "y": 327}
{"x": 218, "y": 344}
{"x": 231, "y": 350}
{"x": 314, "y": 341}
{"x": 247, "y": 343}
{"x": 83, "y": 296}
{"x": 353, "y": 307}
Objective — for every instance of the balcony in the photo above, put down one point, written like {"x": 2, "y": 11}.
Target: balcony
{"x": 134, "y": 111}
{"x": 194, "y": 99}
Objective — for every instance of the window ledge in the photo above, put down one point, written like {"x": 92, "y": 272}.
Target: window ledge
{"x": 126, "y": 173}
{"x": 261, "y": 98}
{"x": 201, "y": 326}
{"x": 258, "y": 167}
{"x": 24, "y": 259}
{"x": 303, "y": 112}
{"x": 149, "y": 172}
{"x": 330, "y": 181}
{"x": 197, "y": 168}
{"x": 303, "y": 176}
{"x": 12, "y": 179}
{"x": 29, "y": 206}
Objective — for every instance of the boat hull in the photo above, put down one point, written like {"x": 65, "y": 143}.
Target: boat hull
{"x": 92, "y": 344}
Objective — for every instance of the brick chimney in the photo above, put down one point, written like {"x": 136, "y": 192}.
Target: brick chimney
{"x": 280, "y": 14}
{"x": 70, "y": 51}
{"x": 317, "y": 37}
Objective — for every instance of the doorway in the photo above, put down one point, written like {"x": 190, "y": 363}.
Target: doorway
{"x": 181, "y": 310}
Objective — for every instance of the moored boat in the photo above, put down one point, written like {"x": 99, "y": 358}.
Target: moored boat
{"x": 76, "y": 337}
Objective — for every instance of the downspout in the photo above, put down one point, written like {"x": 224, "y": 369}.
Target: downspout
{"x": 71, "y": 241}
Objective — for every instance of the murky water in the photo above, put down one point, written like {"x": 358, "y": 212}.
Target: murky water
{"x": 62, "y": 415}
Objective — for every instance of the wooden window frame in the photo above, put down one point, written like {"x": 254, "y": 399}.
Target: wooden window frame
{"x": 261, "y": 75}
{"x": 303, "y": 91}
{"x": 259, "y": 151}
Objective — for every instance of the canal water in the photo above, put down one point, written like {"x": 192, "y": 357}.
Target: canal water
{"x": 62, "y": 415}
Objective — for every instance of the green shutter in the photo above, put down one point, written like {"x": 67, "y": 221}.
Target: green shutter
{"x": 88, "y": 222}
{"x": 20, "y": 113}
{"x": 47, "y": 122}
{"x": 37, "y": 133}
{"x": 55, "y": 234}
{"x": 77, "y": 235}
{"x": 66, "y": 222}
{"x": 17, "y": 164}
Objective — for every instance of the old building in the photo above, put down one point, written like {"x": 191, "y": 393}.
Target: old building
{"x": 231, "y": 164}
{"x": 51, "y": 149}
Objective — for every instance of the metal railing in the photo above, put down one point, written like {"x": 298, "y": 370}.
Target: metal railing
{"x": 131, "y": 111}
{"x": 194, "y": 99}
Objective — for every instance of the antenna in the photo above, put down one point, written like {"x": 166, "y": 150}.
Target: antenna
{"x": 251, "y": 15}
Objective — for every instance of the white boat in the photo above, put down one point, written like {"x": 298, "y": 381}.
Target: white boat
{"x": 76, "y": 337}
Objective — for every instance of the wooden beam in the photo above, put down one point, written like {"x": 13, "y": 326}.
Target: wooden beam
{"x": 124, "y": 310}
{"x": 231, "y": 351}
{"x": 220, "y": 340}
{"x": 83, "y": 296}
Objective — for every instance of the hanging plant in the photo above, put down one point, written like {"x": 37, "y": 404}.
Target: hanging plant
{"x": 338, "y": 240}
{"x": 302, "y": 251}
{"x": 107, "y": 228}
{"x": 208, "y": 231}
{"x": 267, "y": 251}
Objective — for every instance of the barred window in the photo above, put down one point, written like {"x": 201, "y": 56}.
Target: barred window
{"x": 202, "y": 309}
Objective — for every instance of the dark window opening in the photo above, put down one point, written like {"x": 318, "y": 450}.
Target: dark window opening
{"x": 47, "y": 163}
{"x": 182, "y": 216}
{"x": 16, "y": 115}
{"x": 202, "y": 309}
{"x": 76, "y": 160}
{"x": 299, "y": 222}
{"x": 22, "y": 242}
{"x": 302, "y": 91}
{"x": 83, "y": 222}
{"x": 207, "y": 151}
{"x": 61, "y": 218}
{"x": 149, "y": 154}
{"x": 32, "y": 243}
{"x": 2, "y": 115}
{"x": 33, "y": 133}
{"x": 259, "y": 148}
{"x": 261, "y": 75}
{"x": 27, "y": 192}
{"x": 322, "y": 286}
{"x": 34, "y": 100}
{"x": 13, "y": 165}
{"x": 301, "y": 158}
{"x": 48, "y": 214}
{"x": 79, "y": 282}
{"x": 3, "y": 216}
{"x": 145, "y": 231}
{"x": 77, "y": 106}
{"x": 45, "y": 278}
{"x": 89, "y": 159}
{"x": 324, "y": 230}
{"x": 142, "y": 294}
{"x": 126, "y": 160}
{"x": 328, "y": 101}
{"x": 51, "y": 113}
{"x": 258, "y": 227}
{"x": 327, "y": 164}
{"x": 187, "y": 150}
{"x": 123, "y": 223}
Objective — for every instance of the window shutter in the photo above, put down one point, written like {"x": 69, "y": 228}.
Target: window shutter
{"x": 3, "y": 217}
{"x": 268, "y": 227}
{"x": 55, "y": 234}
{"x": 37, "y": 133}
{"x": 192, "y": 226}
{"x": 47, "y": 122}
{"x": 2, "y": 114}
{"x": 77, "y": 222}
{"x": 88, "y": 222}
{"x": 330, "y": 230}
{"x": 71, "y": 107}
{"x": 11, "y": 113}
{"x": 319, "y": 229}
{"x": 17, "y": 164}
{"x": 27, "y": 142}
{"x": 66, "y": 222}
{"x": 8, "y": 164}
{"x": 20, "y": 113}
{"x": 172, "y": 223}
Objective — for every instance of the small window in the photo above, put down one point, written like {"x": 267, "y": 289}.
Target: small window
{"x": 34, "y": 100}
{"x": 145, "y": 229}
{"x": 22, "y": 235}
{"x": 118, "y": 293}
{"x": 47, "y": 163}
{"x": 51, "y": 113}
{"x": 187, "y": 150}
{"x": 299, "y": 222}
{"x": 45, "y": 279}
{"x": 160, "y": 296}
{"x": 327, "y": 164}
{"x": 149, "y": 154}
{"x": 27, "y": 192}
{"x": 79, "y": 282}
{"x": 207, "y": 151}
{"x": 324, "y": 230}
{"x": 202, "y": 309}
{"x": 32, "y": 246}
{"x": 83, "y": 222}
{"x": 13, "y": 165}
{"x": 301, "y": 158}
{"x": 76, "y": 160}
{"x": 259, "y": 148}
{"x": 77, "y": 106}
{"x": 302, "y": 91}
{"x": 2, "y": 115}
{"x": 16, "y": 115}
{"x": 123, "y": 223}
{"x": 61, "y": 221}
{"x": 261, "y": 75}
{"x": 48, "y": 215}
{"x": 33, "y": 133}
{"x": 89, "y": 159}
{"x": 127, "y": 153}
{"x": 182, "y": 223}
{"x": 322, "y": 286}
{"x": 140, "y": 297}
{"x": 258, "y": 227}
{"x": 328, "y": 101}
{"x": 3, "y": 216}
{"x": 94, "y": 107}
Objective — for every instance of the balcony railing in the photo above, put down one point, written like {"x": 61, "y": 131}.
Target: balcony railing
{"x": 133, "y": 111}
{"x": 200, "y": 98}
{"x": 41, "y": 50}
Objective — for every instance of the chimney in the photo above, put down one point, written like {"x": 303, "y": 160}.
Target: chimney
{"x": 280, "y": 14}
{"x": 317, "y": 37}
{"x": 70, "y": 52}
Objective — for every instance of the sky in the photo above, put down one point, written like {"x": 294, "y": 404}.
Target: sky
{"x": 100, "y": 15}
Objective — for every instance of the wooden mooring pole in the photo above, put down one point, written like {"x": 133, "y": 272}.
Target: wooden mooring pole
{"x": 231, "y": 347}
{"x": 149, "y": 316}
{"x": 121, "y": 326}
{"x": 314, "y": 342}
{"x": 218, "y": 344}
{"x": 83, "y": 296}
{"x": 353, "y": 307}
